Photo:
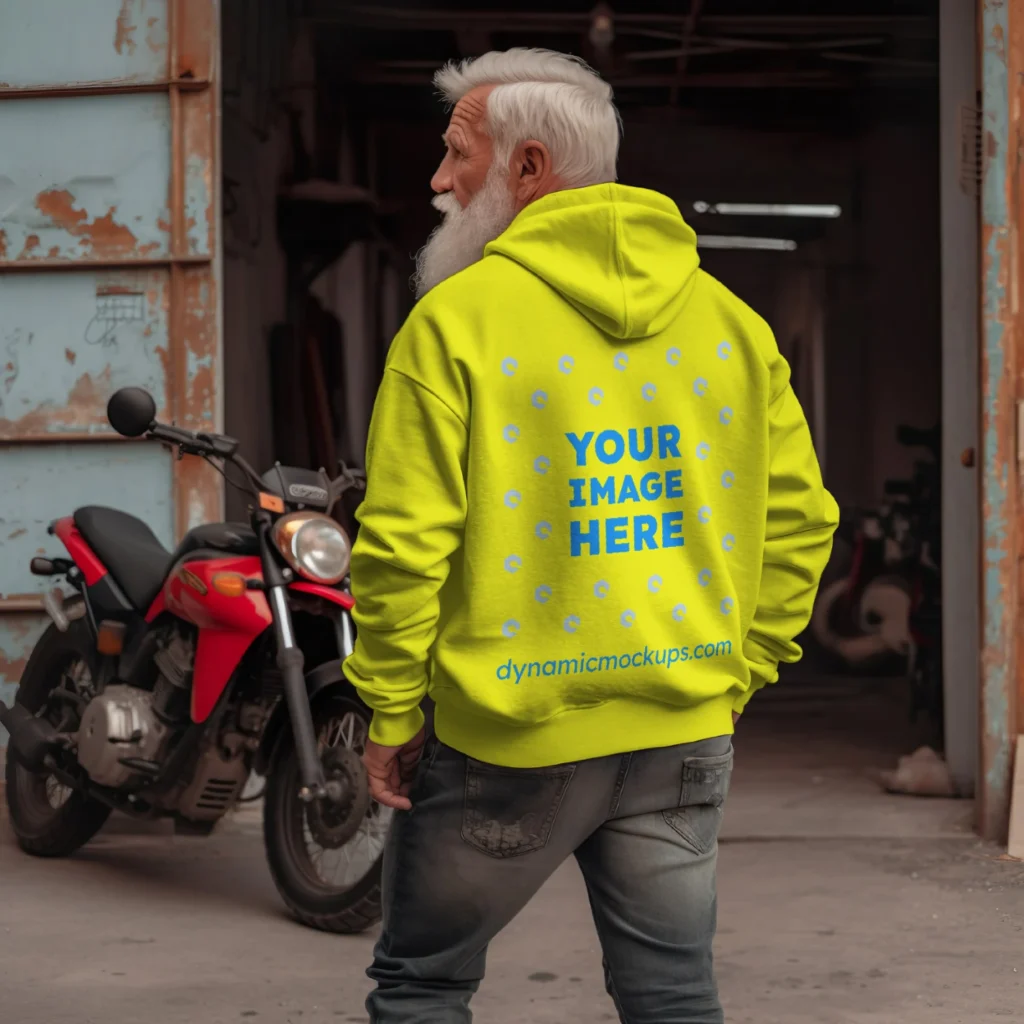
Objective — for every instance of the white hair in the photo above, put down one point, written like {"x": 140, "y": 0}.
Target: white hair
{"x": 552, "y": 97}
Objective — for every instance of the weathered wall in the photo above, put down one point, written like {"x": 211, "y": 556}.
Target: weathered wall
{"x": 108, "y": 269}
{"x": 1002, "y": 78}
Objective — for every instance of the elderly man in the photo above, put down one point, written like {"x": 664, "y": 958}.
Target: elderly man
{"x": 594, "y": 525}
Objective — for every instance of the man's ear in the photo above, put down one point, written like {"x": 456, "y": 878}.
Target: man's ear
{"x": 532, "y": 171}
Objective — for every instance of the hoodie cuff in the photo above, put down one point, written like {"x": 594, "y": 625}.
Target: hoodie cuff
{"x": 395, "y": 730}
{"x": 763, "y": 667}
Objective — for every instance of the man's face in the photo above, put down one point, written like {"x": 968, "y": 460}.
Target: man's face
{"x": 473, "y": 192}
{"x": 469, "y": 150}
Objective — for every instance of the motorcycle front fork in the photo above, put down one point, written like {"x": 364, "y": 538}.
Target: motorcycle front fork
{"x": 291, "y": 662}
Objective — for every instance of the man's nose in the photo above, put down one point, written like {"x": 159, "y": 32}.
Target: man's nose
{"x": 442, "y": 179}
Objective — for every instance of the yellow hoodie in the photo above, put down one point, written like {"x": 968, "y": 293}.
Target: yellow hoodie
{"x": 595, "y": 521}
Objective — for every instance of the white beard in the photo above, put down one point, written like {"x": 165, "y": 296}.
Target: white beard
{"x": 460, "y": 239}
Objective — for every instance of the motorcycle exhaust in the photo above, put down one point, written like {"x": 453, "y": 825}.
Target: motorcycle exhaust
{"x": 32, "y": 739}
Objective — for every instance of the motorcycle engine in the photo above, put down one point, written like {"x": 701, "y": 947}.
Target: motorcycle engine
{"x": 117, "y": 726}
{"x": 126, "y": 724}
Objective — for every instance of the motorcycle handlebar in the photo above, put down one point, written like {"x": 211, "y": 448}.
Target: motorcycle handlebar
{"x": 347, "y": 480}
{"x": 195, "y": 443}
{"x": 204, "y": 445}
{"x": 131, "y": 412}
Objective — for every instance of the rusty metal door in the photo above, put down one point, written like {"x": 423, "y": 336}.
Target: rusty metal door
{"x": 109, "y": 258}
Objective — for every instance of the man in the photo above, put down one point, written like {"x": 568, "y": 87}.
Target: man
{"x": 594, "y": 525}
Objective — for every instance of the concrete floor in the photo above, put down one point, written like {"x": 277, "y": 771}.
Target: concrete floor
{"x": 838, "y": 906}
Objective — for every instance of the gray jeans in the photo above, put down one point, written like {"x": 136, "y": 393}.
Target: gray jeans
{"x": 481, "y": 840}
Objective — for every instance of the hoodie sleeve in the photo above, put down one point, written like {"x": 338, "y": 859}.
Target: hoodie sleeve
{"x": 411, "y": 521}
{"x": 802, "y": 516}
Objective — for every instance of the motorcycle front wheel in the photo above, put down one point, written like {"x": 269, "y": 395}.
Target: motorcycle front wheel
{"x": 325, "y": 857}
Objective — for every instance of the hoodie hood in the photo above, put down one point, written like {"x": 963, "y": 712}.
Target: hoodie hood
{"x": 624, "y": 257}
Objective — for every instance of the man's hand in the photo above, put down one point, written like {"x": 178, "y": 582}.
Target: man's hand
{"x": 735, "y": 717}
{"x": 392, "y": 769}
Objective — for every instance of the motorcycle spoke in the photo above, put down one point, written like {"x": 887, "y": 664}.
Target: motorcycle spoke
{"x": 343, "y": 867}
{"x": 349, "y": 729}
{"x": 330, "y": 734}
{"x": 378, "y": 821}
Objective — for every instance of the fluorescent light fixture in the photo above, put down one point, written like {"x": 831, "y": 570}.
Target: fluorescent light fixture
{"x": 744, "y": 242}
{"x": 825, "y": 211}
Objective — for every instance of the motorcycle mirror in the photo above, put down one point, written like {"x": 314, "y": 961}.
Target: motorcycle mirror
{"x": 131, "y": 411}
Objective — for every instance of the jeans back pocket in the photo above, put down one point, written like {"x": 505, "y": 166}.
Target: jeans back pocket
{"x": 702, "y": 792}
{"x": 508, "y": 812}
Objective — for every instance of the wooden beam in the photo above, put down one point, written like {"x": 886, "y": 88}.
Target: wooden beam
{"x": 392, "y": 18}
{"x": 689, "y": 28}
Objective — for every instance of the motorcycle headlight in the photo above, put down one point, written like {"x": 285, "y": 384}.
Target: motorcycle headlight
{"x": 314, "y": 545}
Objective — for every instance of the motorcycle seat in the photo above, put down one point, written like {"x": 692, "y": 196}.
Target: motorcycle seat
{"x": 137, "y": 560}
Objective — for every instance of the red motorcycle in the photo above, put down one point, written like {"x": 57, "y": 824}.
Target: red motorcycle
{"x": 168, "y": 678}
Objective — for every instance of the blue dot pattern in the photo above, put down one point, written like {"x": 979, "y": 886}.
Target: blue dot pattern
{"x": 702, "y": 387}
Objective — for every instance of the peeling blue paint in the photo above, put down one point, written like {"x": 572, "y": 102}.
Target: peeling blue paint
{"x": 68, "y": 341}
{"x": 43, "y": 41}
{"x": 998, "y": 671}
{"x": 197, "y": 206}
{"x": 84, "y": 177}
{"x": 196, "y": 363}
{"x": 87, "y": 178}
{"x": 42, "y": 483}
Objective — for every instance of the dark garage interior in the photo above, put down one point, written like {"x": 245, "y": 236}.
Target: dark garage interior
{"x": 802, "y": 145}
